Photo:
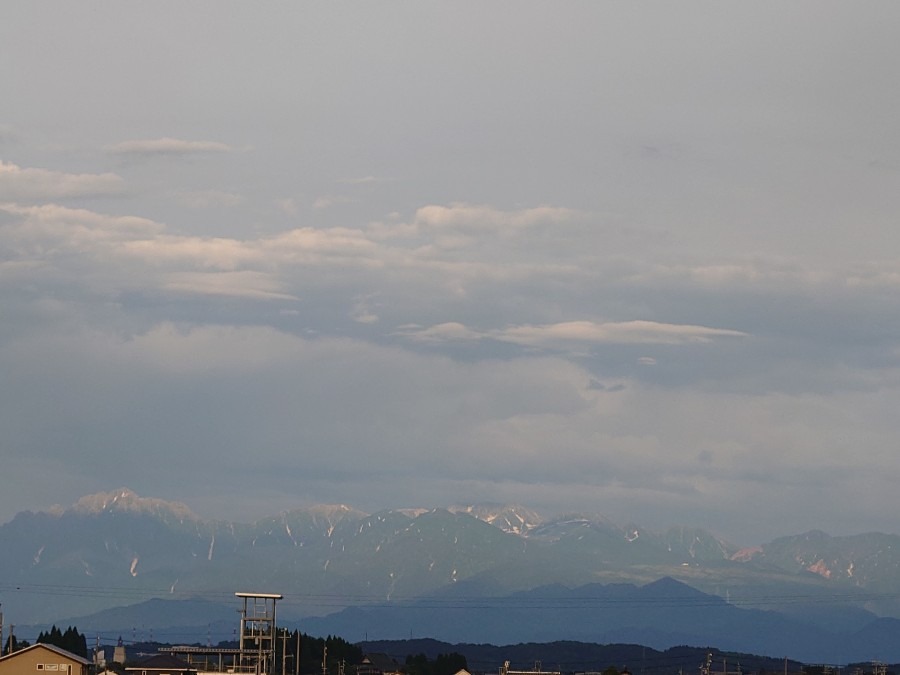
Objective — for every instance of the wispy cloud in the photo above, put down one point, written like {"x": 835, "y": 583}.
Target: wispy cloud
{"x": 362, "y": 311}
{"x": 239, "y": 284}
{"x": 50, "y": 228}
{"x": 363, "y": 180}
{"x": 467, "y": 218}
{"x": 30, "y": 184}
{"x": 167, "y": 146}
{"x": 575, "y": 333}
{"x": 327, "y": 201}
{"x": 620, "y": 332}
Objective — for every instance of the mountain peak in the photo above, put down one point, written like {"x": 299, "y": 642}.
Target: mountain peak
{"x": 124, "y": 500}
{"x": 335, "y": 511}
{"x": 511, "y": 518}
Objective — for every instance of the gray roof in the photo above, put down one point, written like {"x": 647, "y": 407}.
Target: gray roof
{"x": 161, "y": 662}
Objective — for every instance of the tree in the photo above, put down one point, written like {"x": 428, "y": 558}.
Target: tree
{"x": 449, "y": 664}
{"x": 444, "y": 664}
{"x": 71, "y": 640}
{"x": 417, "y": 665}
{"x": 12, "y": 645}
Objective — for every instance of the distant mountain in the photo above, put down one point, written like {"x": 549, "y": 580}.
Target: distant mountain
{"x": 189, "y": 621}
{"x": 573, "y": 656}
{"x": 660, "y": 615}
{"x": 117, "y": 548}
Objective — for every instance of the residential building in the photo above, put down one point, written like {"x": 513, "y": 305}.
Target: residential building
{"x": 44, "y": 659}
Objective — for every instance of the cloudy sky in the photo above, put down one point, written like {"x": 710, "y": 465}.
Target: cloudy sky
{"x": 638, "y": 259}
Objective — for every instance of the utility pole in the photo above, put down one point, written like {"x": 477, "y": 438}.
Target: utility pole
{"x": 325, "y": 661}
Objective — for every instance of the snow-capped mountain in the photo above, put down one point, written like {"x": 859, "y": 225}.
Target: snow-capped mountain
{"x": 113, "y": 548}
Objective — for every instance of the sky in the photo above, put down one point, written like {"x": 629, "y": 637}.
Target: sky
{"x": 639, "y": 259}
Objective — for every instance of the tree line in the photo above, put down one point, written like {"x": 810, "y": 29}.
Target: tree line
{"x": 70, "y": 640}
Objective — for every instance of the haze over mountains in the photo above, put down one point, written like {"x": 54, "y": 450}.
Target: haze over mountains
{"x": 477, "y": 573}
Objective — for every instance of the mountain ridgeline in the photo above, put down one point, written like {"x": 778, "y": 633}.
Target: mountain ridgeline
{"x": 118, "y": 548}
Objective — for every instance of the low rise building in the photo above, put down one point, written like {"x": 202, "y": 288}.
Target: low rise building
{"x": 44, "y": 659}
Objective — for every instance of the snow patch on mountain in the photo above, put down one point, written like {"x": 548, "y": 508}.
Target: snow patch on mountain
{"x": 511, "y": 518}
{"x": 747, "y": 554}
{"x": 819, "y": 567}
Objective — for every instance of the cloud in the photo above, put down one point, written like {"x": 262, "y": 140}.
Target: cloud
{"x": 602, "y": 428}
{"x": 322, "y": 245}
{"x": 487, "y": 296}
{"x": 241, "y": 284}
{"x": 622, "y": 332}
{"x": 443, "y": 332}
{"x": 288, "y": 206}
{"x": 512, "y": 223}
{"x": 45, "y": 229}
{"x": 362, "y": 310}
{"x": 571, "y": 334}
{"x": 214, "y": 253}
{"x": 875, "y": 276}
{"x": 19, "y": 184}
{"x": 167, "y": 147}
{"x": 527, "y": 425}
{"x": 466, "y": 217}
{"x": 481, "y": 220}
{"x": 327, "y": 201}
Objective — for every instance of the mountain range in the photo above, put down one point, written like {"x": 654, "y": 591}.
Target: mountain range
{"x": 503, "y": 572}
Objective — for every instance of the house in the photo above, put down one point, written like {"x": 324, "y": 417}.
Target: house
{"x": 378, "y": 664}
{"x": 44, "y": 659}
